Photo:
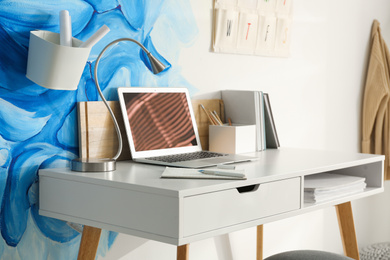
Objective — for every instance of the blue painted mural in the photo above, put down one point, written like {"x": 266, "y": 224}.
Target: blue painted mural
{"x": 38, "y": 126}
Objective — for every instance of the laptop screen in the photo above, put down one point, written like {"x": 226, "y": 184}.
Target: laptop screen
{"x": 159, "y": 120}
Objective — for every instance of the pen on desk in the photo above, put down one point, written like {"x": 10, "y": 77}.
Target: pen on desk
{"x": 226, "y": 166}
{"x": 221, "y": 173}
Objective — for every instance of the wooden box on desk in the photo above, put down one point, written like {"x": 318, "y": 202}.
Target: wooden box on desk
{"x": 97, "y": 136}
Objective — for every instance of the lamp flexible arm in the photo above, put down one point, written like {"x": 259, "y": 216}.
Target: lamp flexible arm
{"x": 118, "y": 131}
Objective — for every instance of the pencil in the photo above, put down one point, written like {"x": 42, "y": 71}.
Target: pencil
{"x": 217, "y": 117}
{"x": 208, "y": 115}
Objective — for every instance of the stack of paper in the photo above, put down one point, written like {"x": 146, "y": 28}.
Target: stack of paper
{"x": 326, "y": 186}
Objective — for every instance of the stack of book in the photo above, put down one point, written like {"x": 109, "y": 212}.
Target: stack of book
{"x": 249, "y": 107}
{"x": 325, "y": 186}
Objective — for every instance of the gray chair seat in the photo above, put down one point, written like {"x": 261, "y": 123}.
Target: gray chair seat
{"x": 307, "y": 255}
{"x": 380, "y": 251}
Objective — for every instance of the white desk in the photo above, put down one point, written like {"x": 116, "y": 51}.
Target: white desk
{"x": 136, "y": 201}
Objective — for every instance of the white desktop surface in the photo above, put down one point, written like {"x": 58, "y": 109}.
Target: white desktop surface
{"x": 170, "y": 207}
{"x": 273, "y": 164}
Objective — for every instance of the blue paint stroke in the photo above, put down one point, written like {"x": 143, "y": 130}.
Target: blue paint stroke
{"x": 41, "y": 104}
{"x": 68, "y": 131}
{"x": 134, "y": 12}
{"x": 35, "y": 245}
{"x": 86, "y": 90}
{"x": 16, "y": 204}
{"x": 56, "y": 229}
{"x": 12, "y": 55}
{"x": 149, "y": 45}
{"x": 111, "y": 238}
{"x": 5, "y": 159}
{"x": 106, "y": 240}
{"x": 13, "y": 121}
{"x": 5, "y": 154}
{"x": 179, "y": 21}
{"x": 103, "y": 6}
{"x": 1, "y": 248}
{"x": 179, "y": 25}
{"x": 29, "y": 15}
{"x": 48, "y": 137}
{"x": 119, "y": 28}
{"x": 142, "y": 14}
{"x": 57, "y": 104}
{"x": 3, "y": 180}
{"x": 122, "y": 64}
{"x": 33, "y": 194}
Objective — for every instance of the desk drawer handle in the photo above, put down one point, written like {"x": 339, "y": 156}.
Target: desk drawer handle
{"x": 249, "y": 188}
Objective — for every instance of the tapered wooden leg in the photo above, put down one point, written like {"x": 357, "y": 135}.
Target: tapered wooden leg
{"x": 347, "y": 230}
{"x": 183, "y": 252}
{"x": 89, "y": 243}
{"x": 259, "y": 243}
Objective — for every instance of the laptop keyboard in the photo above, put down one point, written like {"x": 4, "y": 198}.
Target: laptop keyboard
{"x": 186, "y": 156}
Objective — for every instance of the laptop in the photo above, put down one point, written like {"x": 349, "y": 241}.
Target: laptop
{"x": 161, "y": 129}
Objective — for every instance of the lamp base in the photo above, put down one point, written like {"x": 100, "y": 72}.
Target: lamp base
{"x": 93, "y": 165}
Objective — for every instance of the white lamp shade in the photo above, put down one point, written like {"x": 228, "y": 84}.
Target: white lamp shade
{"x": 53, "y": 66}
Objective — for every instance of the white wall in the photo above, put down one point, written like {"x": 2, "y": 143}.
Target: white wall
{"x": 316, "y": 96}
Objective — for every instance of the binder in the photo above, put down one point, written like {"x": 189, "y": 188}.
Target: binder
{"x": 246, "y": 107}
{"x": 271, "y": 135}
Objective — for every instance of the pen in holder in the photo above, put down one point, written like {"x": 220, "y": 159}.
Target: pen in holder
{"x": 232, "y": 139}
{"x": 52, "y": 65}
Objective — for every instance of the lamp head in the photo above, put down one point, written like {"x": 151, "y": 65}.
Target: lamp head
{"x": 157, "y": 66}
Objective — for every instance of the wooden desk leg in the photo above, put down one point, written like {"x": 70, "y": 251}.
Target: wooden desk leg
{"x": 259, "y": 243}
{"x": 183, "y": 252}
{"x": 347, "y": 230}
{"x": 89, "y": 243}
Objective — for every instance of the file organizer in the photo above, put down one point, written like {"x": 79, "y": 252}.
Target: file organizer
{"x": 53, "y": 66}
{"x": 232, "y": 139}
{"x": 246, "y": 107}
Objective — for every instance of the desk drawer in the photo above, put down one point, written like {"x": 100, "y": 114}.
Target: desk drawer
{"x": 220, "y": 209}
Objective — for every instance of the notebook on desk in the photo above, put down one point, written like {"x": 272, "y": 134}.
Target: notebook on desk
{"x": 161, "y": 129}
